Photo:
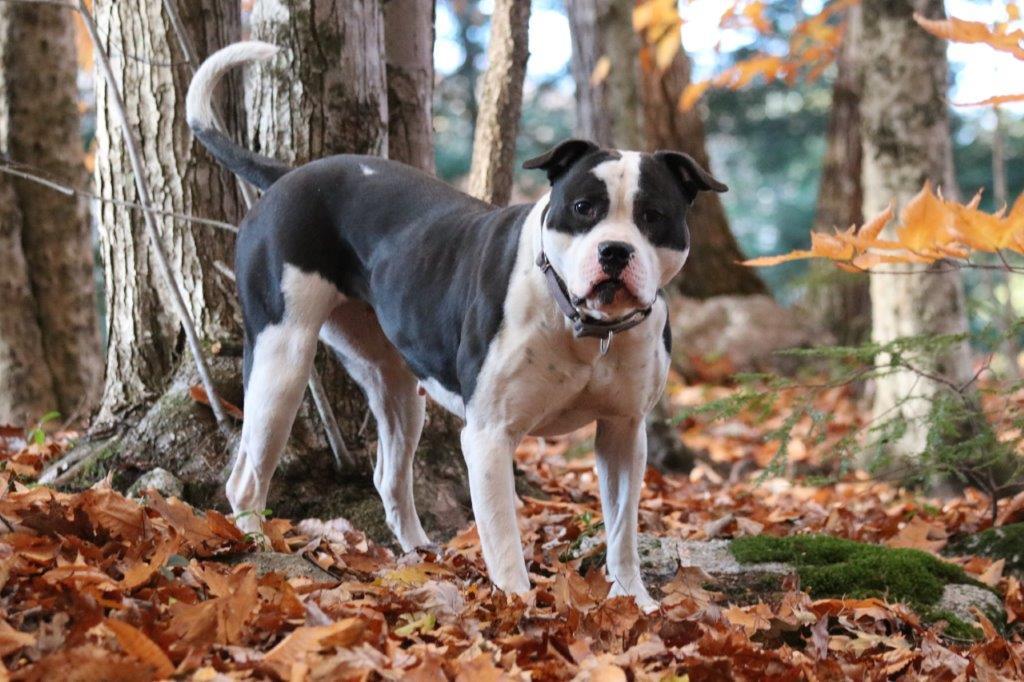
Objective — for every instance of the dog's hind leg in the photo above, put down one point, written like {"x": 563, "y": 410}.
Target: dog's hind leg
{"x": 621, "y": 446}
{"x": 353, "y": 332}
{"x": 278, "y": 363}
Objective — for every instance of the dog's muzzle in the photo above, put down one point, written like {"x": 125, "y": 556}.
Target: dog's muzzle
{"x": 584, "y": 325}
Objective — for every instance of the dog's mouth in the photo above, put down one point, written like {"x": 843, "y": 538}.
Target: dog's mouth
{"x": 606, "y": 291}
{"x": 609, "y": 296}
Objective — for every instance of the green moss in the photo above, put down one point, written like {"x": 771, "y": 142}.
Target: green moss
{"x": 834, "y": 567}
{"x": 1005, "y": 542}
{"x": 95, "y": 465}
{"x": 956, "y": 628}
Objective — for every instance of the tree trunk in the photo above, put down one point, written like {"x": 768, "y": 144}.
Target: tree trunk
{"x": 714, "y": 269}
{"x": 50, "y": 268}
{"x": 607, "y": 112}
{"x": 841, "y": 301}
{"x": 501, "y": 101}
{"x": 145, "y": 339}
{"x": 26, "y": 385}
{"x": 326, "y": 92}
{"x": 906, "y": 138}
{"x": 409, "y": 39}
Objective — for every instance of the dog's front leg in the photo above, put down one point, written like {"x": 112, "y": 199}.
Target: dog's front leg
{"x": 488, "y": 453}
{"x": 621, "y": 446}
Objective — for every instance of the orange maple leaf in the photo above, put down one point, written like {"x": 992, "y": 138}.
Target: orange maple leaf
{"x": 926, "y": 223}
{"x": 1000, "y": 37}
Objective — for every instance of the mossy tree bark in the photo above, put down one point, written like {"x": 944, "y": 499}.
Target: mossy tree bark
{"x": 842, "y": 301}
{"x": 146, "y": 417}
{"x": 145, "y": 338}
{"x": 501, "y": 102}
{"x": 326, "y": 92}
{"x": 50, "y": 356}
{"x": 906, "y": 138}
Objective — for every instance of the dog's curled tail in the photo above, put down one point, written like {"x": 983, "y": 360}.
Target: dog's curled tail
{"x": 260, "y": 170}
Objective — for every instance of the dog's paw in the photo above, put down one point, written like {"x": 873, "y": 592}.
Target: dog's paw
{"x": 416, "y": 555}
{"x": 251, "y": 525}
{"x": 430, "y": 548}
{"x": 647, "y": 603}
{"x": 638, "y": 592}
{"x": 514, "y": 584}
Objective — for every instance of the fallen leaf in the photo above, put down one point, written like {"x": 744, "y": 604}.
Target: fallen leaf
{"x": 137, "y": 644}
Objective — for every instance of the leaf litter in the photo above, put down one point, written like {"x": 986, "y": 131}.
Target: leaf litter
{"x": 94, "y": 585}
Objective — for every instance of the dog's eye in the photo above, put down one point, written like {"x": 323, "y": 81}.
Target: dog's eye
{"x": 650, "y": 215}
{"x": 584, "y": 209}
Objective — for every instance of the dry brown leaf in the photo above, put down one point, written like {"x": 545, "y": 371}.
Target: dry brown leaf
{"x": 137, "y": 644}
{"x": 919, "y": 533}
{"x": 294, "y": 648}
{"x": 12, "y": 640}
{"x": 479, "y": 669}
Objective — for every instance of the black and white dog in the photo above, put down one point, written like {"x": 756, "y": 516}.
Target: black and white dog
{"x": 529, "y": 320}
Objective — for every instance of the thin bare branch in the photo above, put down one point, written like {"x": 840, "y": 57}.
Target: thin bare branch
{"x": 18, "y": 171}
{"x": 342, "y": 456}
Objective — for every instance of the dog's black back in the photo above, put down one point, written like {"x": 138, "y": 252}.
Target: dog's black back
{"x": 432, "y": 262}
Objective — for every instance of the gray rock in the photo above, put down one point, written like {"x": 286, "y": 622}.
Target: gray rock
{"x": 289, "y": 565}
{"x": 661, "y": 557}
{"x": 958, "y": 599}
{"x": 715, "y": 558}
{"x": 160, "y": 480}
{"x": 719, "y": 329}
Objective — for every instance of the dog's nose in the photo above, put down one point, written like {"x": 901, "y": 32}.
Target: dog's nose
{"x": 614, "y": 256}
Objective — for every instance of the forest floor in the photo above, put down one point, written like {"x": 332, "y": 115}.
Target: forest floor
{"x": 98, "y": 586}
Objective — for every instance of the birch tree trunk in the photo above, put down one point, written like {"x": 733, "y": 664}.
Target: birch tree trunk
{"x": 327, "y": 93}
{"x": 842, "y": 301}
{"x": 48, "y": 260}
{"x": 714, "y": 269}
{"x": 409, "y": 40}
{"x": 501, "y": 102}
{"x": 906, "y": 139}
{"x": 145, "y": 339}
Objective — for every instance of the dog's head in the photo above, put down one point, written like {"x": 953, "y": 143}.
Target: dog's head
{"x": 615, "y": 228}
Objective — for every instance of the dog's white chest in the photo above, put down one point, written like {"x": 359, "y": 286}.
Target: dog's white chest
{"x": 538, "y": 379}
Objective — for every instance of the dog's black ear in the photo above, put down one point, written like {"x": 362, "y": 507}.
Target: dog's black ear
{"x": 691, "y": 176}
{"x": 559, "y": 159}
